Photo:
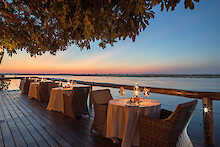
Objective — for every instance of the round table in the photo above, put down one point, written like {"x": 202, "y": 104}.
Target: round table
{"x": 34, "y": 90}
{"x": 122, "y": 119}
{"x": 56, "y": 101}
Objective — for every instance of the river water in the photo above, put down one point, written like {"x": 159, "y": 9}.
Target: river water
{"x": 195, "y": 128}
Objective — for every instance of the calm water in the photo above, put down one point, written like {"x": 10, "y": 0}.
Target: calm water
{"x": 195, "y": 128}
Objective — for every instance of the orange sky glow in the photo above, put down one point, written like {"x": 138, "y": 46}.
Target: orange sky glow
{"x": 168, "y": 46}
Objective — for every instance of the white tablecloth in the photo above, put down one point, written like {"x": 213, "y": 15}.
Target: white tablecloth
{"x": 34, "y": 90}
{"x": 56, "y": 102}
{"x": 122, "y": 121}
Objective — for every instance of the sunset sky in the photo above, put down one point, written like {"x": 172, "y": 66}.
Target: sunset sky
{"x": 183, "y": 41}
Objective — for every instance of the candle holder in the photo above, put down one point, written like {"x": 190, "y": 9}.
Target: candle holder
{"x": 133, "y": 100}
{"x": 136, "y": 93}
{"x": 68, "y": 84}
{"x": 122, "y": 91}
{"x": 146, "y": 92}
{"x": 136, "y": 90}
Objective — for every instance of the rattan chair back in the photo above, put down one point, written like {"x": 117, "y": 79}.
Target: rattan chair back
{"x": 27, "y": 85}
{"x": 101, "y": 96}
{"x": 181, "y": 116}
{"x": 169, "y": 131}
{"x": 80, "y": 98}
{"x": 100, "y": 100}
{"x": 45, "y": 89}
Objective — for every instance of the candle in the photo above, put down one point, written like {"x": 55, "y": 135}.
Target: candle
{"x": 136, "y": 93}
{"x": 60, "y": 83}
{"x": 136, "y": 90}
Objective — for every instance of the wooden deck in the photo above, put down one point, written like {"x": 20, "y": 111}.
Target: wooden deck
{"x": 25, "y": 122}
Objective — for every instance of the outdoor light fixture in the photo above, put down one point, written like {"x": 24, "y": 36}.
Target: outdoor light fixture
{"x": 206, "y": 109}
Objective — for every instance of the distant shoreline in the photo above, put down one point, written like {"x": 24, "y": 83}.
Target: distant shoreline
{"x": 129, "y": 75}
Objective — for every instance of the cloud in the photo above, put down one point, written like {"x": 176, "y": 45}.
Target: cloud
{"x": 63, "y": 62}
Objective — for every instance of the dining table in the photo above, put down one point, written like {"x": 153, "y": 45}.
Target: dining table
{"x": 56, "y": 101}
{"x": 69, "y": 101}
{"x": 34, "y": 90}
{"x": 123, "y": 117}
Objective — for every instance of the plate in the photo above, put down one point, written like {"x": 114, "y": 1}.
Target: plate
{"x": 132, "y": 105}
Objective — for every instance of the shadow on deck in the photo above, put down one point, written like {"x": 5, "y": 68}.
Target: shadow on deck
{"x": 25, "y": 122}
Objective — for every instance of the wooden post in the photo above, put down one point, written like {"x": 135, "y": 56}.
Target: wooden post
{"x": 208, "y": 122}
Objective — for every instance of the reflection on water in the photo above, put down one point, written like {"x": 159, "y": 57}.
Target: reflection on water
{"x": 195, "y": 128}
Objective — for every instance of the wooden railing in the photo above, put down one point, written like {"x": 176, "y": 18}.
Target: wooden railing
{"x": 206, "y": 97}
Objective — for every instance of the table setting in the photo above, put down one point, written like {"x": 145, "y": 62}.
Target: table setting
{"x": 56, "y": 101}
{"x": 62, "y": 98}
{"x": 123, "y": 115}
{"x": 34, "y": 90}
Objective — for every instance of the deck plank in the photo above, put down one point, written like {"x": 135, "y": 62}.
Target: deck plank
{"x": 80, "y": 127}
{"x": 17, "y": 135}
{"x": 1, "y": 121}
{"x": 42, "y": 127}
{"x": 40, "y": 135}
{"x": 48, "y": 116}
{"x": 1, "y": 137}
{"x": 45, "y": 128}
{"x": 6, "y": 132}
{"x": 25, "y": 131}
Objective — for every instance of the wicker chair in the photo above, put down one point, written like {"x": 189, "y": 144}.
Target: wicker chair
{"x": 44, "y": 90}
{"x": 26, "y": 86}
{"x": 80, "y": 97}
{"x": 76, "y": 104}
{"x": 100, "y": 100}
{"x": 168, "y": 131}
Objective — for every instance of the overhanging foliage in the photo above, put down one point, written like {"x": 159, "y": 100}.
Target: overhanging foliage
{"x": 39, "y": 26}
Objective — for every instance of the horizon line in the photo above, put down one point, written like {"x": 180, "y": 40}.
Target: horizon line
{"x": 123, "y": 75}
